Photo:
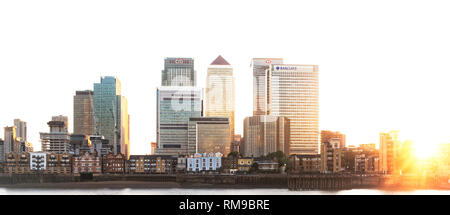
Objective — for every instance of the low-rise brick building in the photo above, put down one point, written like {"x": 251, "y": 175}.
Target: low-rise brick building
{"x": 87, "y": 163}
{"x": 152, "y": 164}
{"x": 17, "y": 163}
{"x": 245, "y": 164}
{"x": 59, "y": 163}
{"x": 306, "y": 163}
{"x": 114, "y": 164}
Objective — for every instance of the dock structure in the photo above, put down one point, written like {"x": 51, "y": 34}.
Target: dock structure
{"x": 320, "y": 182}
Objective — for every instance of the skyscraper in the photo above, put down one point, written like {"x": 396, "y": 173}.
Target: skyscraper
{"x": 21, "y": 129}
{"x": 178, "y": 72}
{"x": 220, "y": 91}
{"x": 261, "y": 76}
{"x": 388, "y": 153}
{"x": 83, "y": 112}
{"x": 175, "y": 105}
{"x": 12, "y": 143}
{"x": 293, "y": 92}
{"x": 111, "y": 118}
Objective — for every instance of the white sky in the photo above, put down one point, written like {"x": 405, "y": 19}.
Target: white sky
{"x": 382, "y": 64}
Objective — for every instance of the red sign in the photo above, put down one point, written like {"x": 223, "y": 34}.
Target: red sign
{"x": 268, "y": 61}
{"x": 179, "y": 61}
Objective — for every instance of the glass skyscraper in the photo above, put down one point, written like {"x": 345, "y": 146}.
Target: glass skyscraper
{"x": 83, "y": 112}
{"x": 209, "y": 135}
{"x": 175, "y": 105}
{"x": 111, "y": 114}
{"x": 260, "y": 68}
{"x": 178, "y": 72}
{"x": 219, "y": 96}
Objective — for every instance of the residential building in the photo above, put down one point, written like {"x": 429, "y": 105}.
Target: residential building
{"x": 83, "y": 112}
{"x": 175, "y": 105}
{"x": 111, "y": 116}
{"x": 265, "y": 134}
{"x": 38, "y": 161}
{"x": 178, "y": 72}
{"x": 261, "y": 76}
{"x": 58, "y": 139}
{"x": 87, "y": 163}
{"x": 60, "y": 164}
{"x": 326, "y": 135}
{"x": 331, "y": 156}
{"x": 181, "y": 164}
{"x": 230, "y": 164}
{"x": 220, "y": 91}
{"x": 152, "y": 164}
{"x": 245, "y": 164}
{"x": 2, "y": 151}
{"x": 17, "y": 163}
{"x": 206, "y": 162}
{"x": 113, "y": 163}
{"x": 306, "y": 163}
{"x": 209, "y": 135}
{"x": 389, "y": 145}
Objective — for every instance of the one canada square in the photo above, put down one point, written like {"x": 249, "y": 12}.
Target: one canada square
{"x": 292, "y": 91}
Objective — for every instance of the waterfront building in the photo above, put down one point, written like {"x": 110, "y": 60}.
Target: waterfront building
{"x": 306, "y": 163}
{"x": 60, "y": 164}
{"x": 326, "y": 135}
{"x": 87, "y": 163}
{"x": 294, "y": 93}
{"x": 111, "y": 118}
{"x": 331, "y": 156}
{"x": 267, "y": 166}
{"x": 219, "y": 91}
{"x": 21, "y": 129}
{"x": 178, "y": 72}
{"x": 366, "y": 163}
{"x": 57, "y": 140}
{"x": 371, "y": 147}
{"x": 181, "y": 164}
{"x": 230, "y": 164}
{"x": 209, "y": 135}
{"x": 152, "y": 164}
{"x": 265, "y": 134}
{"x": 175, "y": 105}
{"x": 245, "y": 164}
{"x": 83, "y": 112}
{"x": 38, "y": 161}
{"x": 261, "y": 76}
{"x": 206, "y": 162}
{"x": 113, "y": 163}
{"x": 17, "y": 163}
{"x": 389, "y": 145}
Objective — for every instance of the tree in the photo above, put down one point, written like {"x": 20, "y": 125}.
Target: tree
{"x": 233, "y": 154}
{"x": 278, "y": 156}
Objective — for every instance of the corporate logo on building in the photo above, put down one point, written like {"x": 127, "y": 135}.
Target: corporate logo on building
{"x": 268, "y": 61}
{"x": 179, "y": 61}
{"x": 286, "y": 68}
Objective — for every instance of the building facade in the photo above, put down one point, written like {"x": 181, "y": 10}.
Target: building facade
{"x": 306, "y": 163}
{"x": 326, "y": 135}
{"x": 38, "y": 161}
{"x": 152, "y": 164}
{"x": 114, "y": 163}
{"x": 87, "y": 163}
{"x": 175, "y": 105}
{"x": 389, "y": 145}
{"x": 83, "y": 112}
{"x": 60, "y": 164}
{"x": 265, "y": 134}
{"x": 12, "y": 143}
{"x": 17, "y": 163}
{"x": 21, "y": 129}
{"x": 2, "y": 151}
{"x": 219, "y": 98}
{"x": 209, "y": 135}
{"x": 58, "y": 139}
{"x": 178, "y": 72}
{"x": 261, "y": 76}
{"x": 294, "y": 93}
{"x": 331, "y": 156}
{"x": 245, "y": 164}
{"x": 206, "y": 162}
{"x": 111, "y": 118}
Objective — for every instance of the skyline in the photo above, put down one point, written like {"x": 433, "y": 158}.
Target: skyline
{"x": 68, "y": 54}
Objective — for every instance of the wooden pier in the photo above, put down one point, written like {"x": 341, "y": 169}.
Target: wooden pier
{"x": 320, "y": 182}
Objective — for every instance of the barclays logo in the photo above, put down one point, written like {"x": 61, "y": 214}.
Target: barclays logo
{"x": 286, "y": 68}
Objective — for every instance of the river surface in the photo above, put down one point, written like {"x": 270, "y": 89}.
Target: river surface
{"x": 181, "y": 191}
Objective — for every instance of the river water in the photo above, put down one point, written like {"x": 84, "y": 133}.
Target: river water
{"x": 179, "y": 191}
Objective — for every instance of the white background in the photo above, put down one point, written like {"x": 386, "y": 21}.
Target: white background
{"x": 383, "y": 65}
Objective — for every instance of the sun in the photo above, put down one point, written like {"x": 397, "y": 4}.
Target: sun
{"x": 424, "y": 150}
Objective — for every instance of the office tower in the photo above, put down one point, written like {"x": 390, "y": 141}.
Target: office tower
{"x": 209, "y": 135}
{"x": 111, "y": 118}
{"x": 388, "y": 152}
{"x": 261, "y": 76}
{"x": 58, "y": 139}
{"x": 326, "y": 135}
{"x": 175, "y": 105}
{"x": 265, "y": 134}
{"x": 293, "y": 92}
{"x": 83, "y": 112}
{"x": 178, "y": 72}
{"x": 21, "y": 129}
{"x": 220, "y": 91}
{"x": 331, "y": 156}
